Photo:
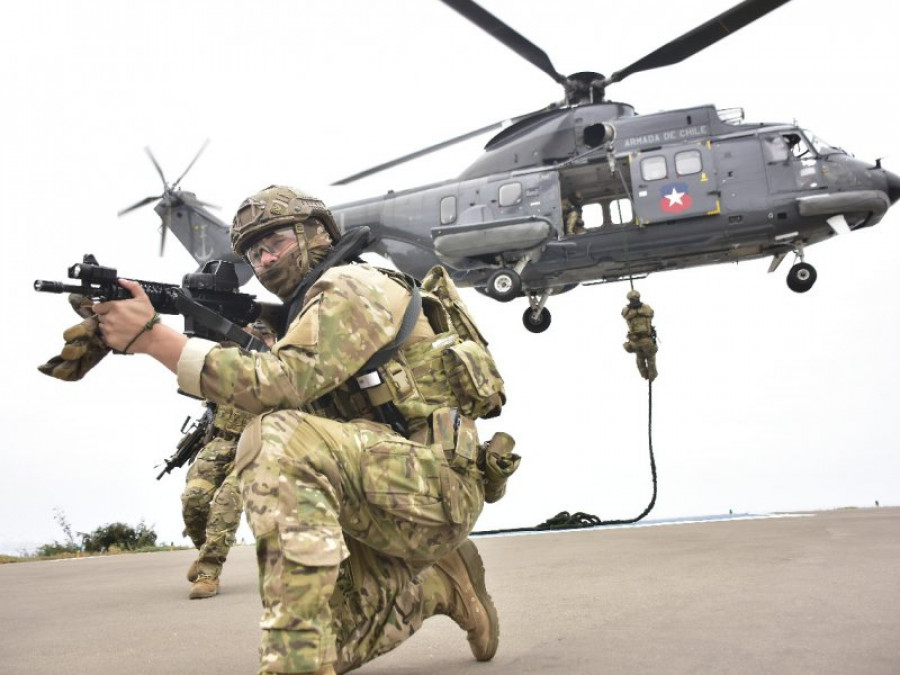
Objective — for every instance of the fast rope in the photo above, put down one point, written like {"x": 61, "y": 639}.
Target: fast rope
{"x": 566, "y": 521}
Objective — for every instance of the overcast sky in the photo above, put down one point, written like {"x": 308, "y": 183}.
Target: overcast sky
{"x": 766, "y": 401}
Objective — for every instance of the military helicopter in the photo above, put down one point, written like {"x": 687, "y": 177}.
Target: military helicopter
{"x": 587, "y": 191}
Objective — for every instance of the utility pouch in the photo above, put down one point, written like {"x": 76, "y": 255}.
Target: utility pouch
{"x": 500, "y": 462}
{"x": 231, "y": 421}
{"x": 474, "y": 379}
{"x": 458, "y": 438}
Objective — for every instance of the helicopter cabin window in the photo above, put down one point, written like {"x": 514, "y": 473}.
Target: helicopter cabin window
{"x": 448, "y": 210}
{"x": 688, "y": 162}
{"x": 797, "y": 144}
{"x": 620, "y": 211}
{"x": 654, "y": 168}
{"x": 592, "y": 215}
{"x": 821, "y": 147}
{"x": 776, "y": 148}
{"x": 510, "y": 194}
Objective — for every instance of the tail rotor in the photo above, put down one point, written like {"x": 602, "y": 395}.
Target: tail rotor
{"x": 171, "y": 196}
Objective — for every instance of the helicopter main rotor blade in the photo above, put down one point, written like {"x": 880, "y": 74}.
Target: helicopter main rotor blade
{"x": 700, "y": 38}
{"x": 418, "y": 153}
{"x": 137, "y": 205}
{"x": 156, "y": 164}
{"x": 193, "y": 201}
{"x": 162, "y": 241}
{"x": 162, "y": 232}
{"x": 432, "y": 148}
{"x": 196, "y": 157}
{"x": 500, "y": 31}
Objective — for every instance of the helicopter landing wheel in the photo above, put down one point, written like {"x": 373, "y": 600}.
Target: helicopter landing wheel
{"x": 801, "y": 277}
{"x": 504, "y": 285}
{"x": 536, "y": 322}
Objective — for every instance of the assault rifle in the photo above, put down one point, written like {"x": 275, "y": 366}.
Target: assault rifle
{"x": 195, "y": 437}
{"x": 209, "y": 300}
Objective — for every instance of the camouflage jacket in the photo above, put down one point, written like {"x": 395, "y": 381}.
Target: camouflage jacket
{"x": 639, "y": 321}
{"x": 350, "y": 313}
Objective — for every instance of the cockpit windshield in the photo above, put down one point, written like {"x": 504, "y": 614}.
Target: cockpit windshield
{"x": 822, "y": 148}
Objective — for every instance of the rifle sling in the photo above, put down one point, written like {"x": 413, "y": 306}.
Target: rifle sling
{"x": 410, "y": 316}
{"x": 187, "y": 306}
{"x": 347, "y": 248}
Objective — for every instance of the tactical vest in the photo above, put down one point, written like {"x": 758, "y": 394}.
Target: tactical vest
{"x": 454, "y": 369}
{"x": 639, "y": 321}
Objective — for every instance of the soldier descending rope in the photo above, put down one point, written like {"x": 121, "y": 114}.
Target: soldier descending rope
{"x": 641, "y": 334}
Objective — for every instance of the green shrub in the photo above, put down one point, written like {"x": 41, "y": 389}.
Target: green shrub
{"x": 118, "y": 536}
{"x": 56, "y": 549}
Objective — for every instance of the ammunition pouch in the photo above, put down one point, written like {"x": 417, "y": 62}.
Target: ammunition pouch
{"x": 404, "y": 390}
{"x": 493, "y": 461}
{"x": 230, "y": 422}
{"x": 458, "y": 438}
{"x": 474, "y": 379}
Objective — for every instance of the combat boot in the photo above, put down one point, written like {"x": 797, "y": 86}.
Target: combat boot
{"x": 464, "y": 598}
{"x": 204, "y": 587}
{"x": 193, "y": 571}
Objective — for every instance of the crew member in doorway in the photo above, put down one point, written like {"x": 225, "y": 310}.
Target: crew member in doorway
{"x": 572, "y": 220}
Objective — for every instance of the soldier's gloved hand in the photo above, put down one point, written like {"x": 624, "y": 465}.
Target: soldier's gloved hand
{"x": 82, "y": 304}
{"x": 83, "y": 350}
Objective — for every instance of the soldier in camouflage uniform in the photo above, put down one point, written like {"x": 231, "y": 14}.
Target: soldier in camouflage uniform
{"x": 361, "y": 531}
{"x": 211, "y": 503}
{"x": 641, "y": 334}
{"x": 572, "y": 214}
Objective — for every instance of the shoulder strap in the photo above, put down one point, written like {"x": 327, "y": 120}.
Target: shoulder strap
{"x": 347, "y": 249}
{"x": 410, "y": 316}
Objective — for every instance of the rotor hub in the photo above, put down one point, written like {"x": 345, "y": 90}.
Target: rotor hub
{"x": 584, "y": 87}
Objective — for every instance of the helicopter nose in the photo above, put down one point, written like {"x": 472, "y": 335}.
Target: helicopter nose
{"x": 893, "y": 186}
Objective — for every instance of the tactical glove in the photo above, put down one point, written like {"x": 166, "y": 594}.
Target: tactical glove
{"x": 500, "y": 462}
{"x": 84, "y": 347}
{"x": 82, "y": 304}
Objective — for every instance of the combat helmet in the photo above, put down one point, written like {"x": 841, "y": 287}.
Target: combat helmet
{"x": 276, "y": 207}
{"x": 633, "y": 295}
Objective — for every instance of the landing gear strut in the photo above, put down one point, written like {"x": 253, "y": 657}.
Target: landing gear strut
{"x": 537, "y": 317}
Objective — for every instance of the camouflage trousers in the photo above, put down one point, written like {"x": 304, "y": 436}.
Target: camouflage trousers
{"x": 644, "y": 350}
{"x": 348, "y": 518}
{"x": 211, "y": 504}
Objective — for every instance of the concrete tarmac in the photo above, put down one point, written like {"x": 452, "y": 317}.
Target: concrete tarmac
{"x": 801, "y": 593}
